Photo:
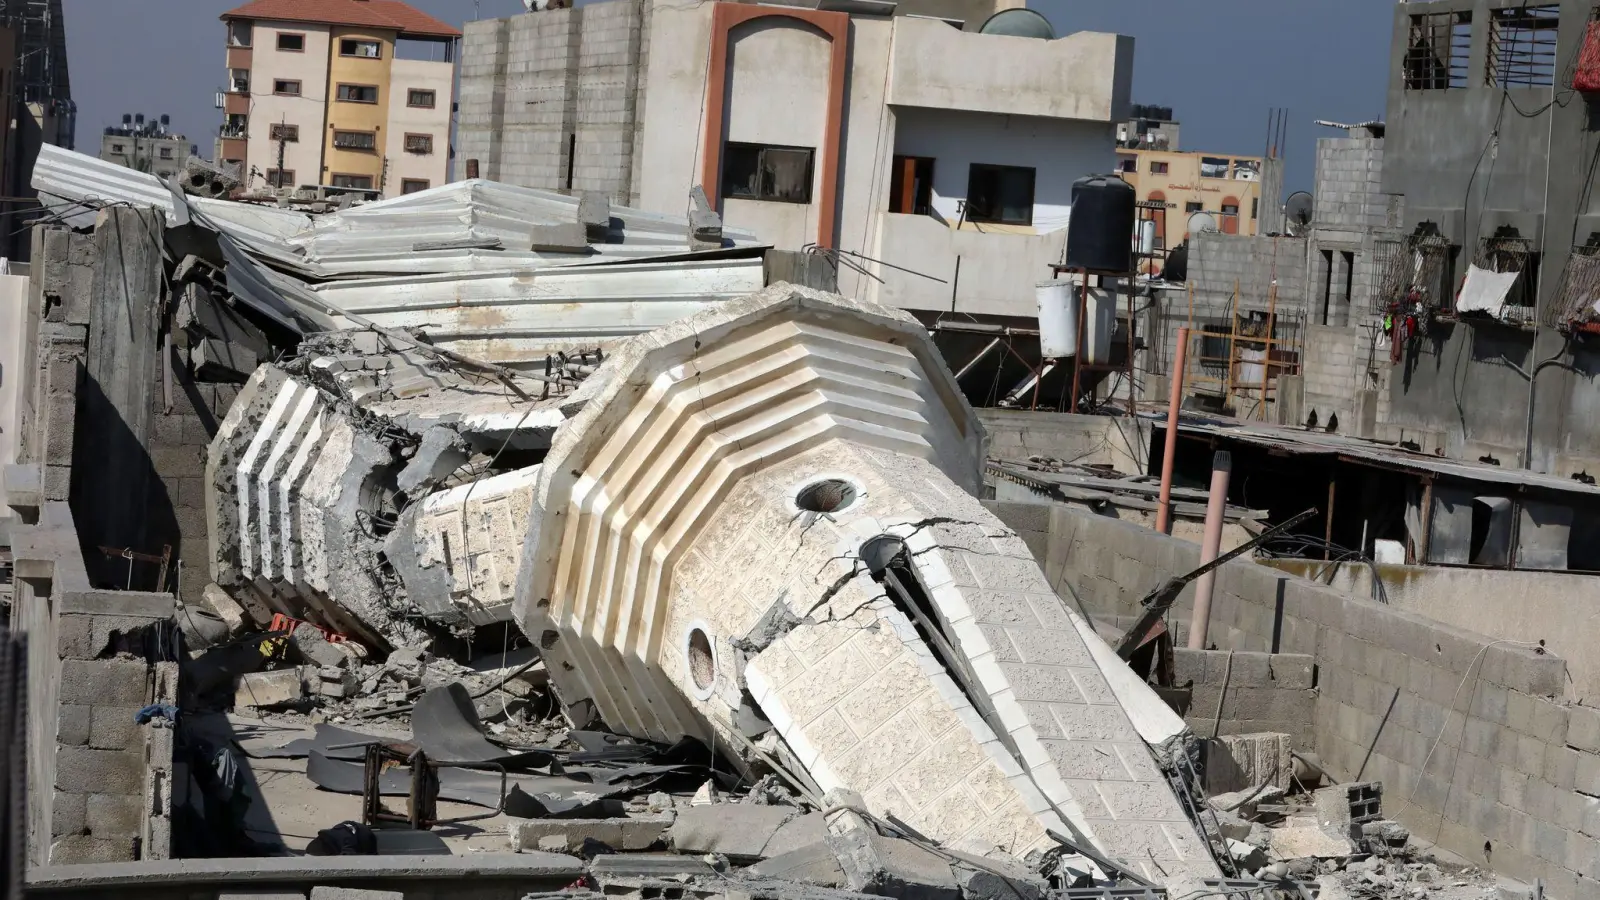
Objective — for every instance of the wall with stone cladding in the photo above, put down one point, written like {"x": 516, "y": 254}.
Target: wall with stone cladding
{"x": 1471, "y": 736}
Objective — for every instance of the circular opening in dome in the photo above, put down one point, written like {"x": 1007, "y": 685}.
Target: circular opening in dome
{"x": 702, "y": 661}
{"x": 830, "y": 495}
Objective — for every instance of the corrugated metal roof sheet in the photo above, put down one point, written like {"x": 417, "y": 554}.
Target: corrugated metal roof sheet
{"x": 506, "y": 304}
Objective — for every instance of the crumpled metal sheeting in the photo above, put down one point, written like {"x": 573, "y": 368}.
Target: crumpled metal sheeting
{"x": 554, "y": 794}
{"x": 378, "y": 237}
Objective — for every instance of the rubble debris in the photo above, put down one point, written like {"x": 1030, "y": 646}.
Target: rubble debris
{"x": 1303, "y": 838}
{"x": 1237, "y": 761}
{"x": 744, "y": 832}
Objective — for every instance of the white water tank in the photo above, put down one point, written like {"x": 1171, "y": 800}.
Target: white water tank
{"x": 1147, "y": 237}
{"x": 1058, "y": 321}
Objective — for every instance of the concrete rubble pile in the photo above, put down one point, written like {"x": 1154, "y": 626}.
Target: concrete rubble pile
{"x": 705, "y": 572}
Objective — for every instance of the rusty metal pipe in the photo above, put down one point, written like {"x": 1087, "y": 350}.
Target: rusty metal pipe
{"x": 1216, "y": 508}
{"x": 1174, "y": 402}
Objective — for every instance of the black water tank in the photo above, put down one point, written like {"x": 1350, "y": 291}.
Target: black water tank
{"x": 1100, "y": 232}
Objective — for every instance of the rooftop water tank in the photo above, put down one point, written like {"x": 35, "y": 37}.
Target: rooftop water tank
{"x": 1101, "y": 230}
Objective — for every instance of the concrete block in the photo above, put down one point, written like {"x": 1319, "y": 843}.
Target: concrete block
{"x": 1586, "y": 774}
{"x": 634, "y": 833}
{"x": 126, "y": 604}
{"x": 68, "y": 814}
{"x": 73, "y": 726}
{"x": 111, "y": 815}
{"x": 83, "y": 849}
{"x": 81, "y": 769}
{"x": 113, "y": 728}
{"x": 1583, "y": 728}
{"x": 123, "y": 682}
{"x": 338, "y": 893}
{"x": 268, "y": 689}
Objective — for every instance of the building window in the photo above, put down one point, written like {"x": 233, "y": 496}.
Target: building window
{"x": 758, "y": 172}
{"x": 239, "y": 34}
{"x": 1127, "y": 164}
{"x": 291, "y": 43}
{"x": 355, "y": 182}
{"x": 166, "y": 153}
{"x": 419, "y": 143}
{"x": 911, "y": 191}
{"x": 1000, "y": 194}
{"x": 1158, "y": 168}
{"x": 286, "y": 88}
{"x": 239, "y": 81}
{"x": 421, "y": 99}
{"x": 284, "y": 132}
{"x": 1522, "y": 46}
{"x": 117, "y": 148}
{"x": 355, "y": 140}
{"x": 1438, "y": 48}
{"x": 237, "y": 126}
{"x": 280, "y": 178}
{"x": 358, "y": 93}
{"x": 1194, "y": 206}
{"x": 362, "y": 49}
{"x": 413, "y": 185}
{"x": 1213, "y": 167}
{"x": 1255, "y": 207}
{"x": 1230, "y": 209}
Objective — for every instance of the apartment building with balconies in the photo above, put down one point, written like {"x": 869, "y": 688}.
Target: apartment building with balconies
{"x": 349, "y": 94}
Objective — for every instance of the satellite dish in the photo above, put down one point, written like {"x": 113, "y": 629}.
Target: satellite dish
{"x": 1297, "y": 213}
{"x": 1202, "y": 223}
{"x": 1019, "y": 22}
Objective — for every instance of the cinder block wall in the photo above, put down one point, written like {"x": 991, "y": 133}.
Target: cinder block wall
{"x": 1349, "y": 183}
{"x": 1087, "y": 440}
{"x": 178, "y": 441}
{"x": 113, "y": 777}
{"x": 1248, "y": 692}
{"x": 1471, "y": 736}
{"x": 1338, "y": 363}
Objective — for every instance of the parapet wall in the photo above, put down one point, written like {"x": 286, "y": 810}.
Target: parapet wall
{"x": 1473, "y": 737}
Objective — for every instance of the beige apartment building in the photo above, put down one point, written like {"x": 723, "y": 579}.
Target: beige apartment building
{"x": 352, "y": 94}
{"x": 1226, "y": 187}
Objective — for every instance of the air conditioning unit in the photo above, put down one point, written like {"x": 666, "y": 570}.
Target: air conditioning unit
{"x": 222, "y": 99}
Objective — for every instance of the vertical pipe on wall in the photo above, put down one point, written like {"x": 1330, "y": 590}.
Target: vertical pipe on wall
{"x": 1174, "y": 403}
{"x": 1216, "y": 509}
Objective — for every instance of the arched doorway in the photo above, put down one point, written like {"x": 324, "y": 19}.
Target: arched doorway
{"x": 1230, "y": 215}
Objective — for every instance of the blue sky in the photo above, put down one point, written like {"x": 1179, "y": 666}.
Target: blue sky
{"x": 1221, "y": 64}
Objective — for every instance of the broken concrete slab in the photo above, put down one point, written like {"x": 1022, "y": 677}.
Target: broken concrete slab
{"x": 633, "y": 833}
{"x": 565, "y": 237}
{"x": 314, "y": 647}
{"x": 265, "y": 690}
{"x": 215, "y": 359}
{"x": 811, "y": 864}
{"x": 739, "y": 831}
{"x": 1340, "y": 806}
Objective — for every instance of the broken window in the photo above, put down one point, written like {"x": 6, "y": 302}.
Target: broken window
{"x": 118, "y": 148}
{"x": 1127, "y": 164}
{"x": 911, "y": 192}
{"x": 759, "y": 172}
{"x": 413, "y": 185}
{"x": 421, "y": 99}
{"x": 1213, "y": 167}
{"x": 419, "y": 143}
{"x": 1000, "y": 194}
{"x": 280, "y": 177}
{"x": 355, "y": 140}
{"x": 239, "y": 34}
{"x": 1437, "y": 51}
{"x": 360, "y": 48}
{"x": 358, "y": 93}
{"x": 284, "y": 132}
{"x": 1522, "y": 46}
{"x": 291, "y": 43}
{"x": 355, "y": 182}
{"x": 286, "y": 88}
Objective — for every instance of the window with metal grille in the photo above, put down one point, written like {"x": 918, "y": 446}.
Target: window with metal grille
{"x": 357, "y": 182}
{"x": 1522, "y": 46}
{"x": 355, "y": 140}
{"x": 758, "y": 172}
{"x": 279, "y": 178}
{"x": 1416, "y": 270}
{"x": 1438, "y": 49}
{"x": 284, "y": 132}
{"x": 358, "y": 93}
{"x": 1194, "y": 206}
{"x": 1576, "y": 306}
{"x": 421, "y": 99}
{"x": 419, "y": 143}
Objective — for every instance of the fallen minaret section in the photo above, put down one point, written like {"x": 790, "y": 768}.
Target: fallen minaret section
{"x": 371, "y": 488}
{"x": 761, "y": 531}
